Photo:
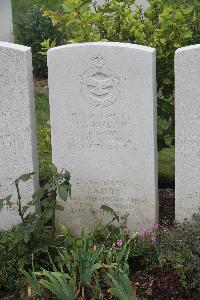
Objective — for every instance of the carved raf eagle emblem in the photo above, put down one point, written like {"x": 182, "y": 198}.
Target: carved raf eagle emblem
{"x": 99, "y": 84}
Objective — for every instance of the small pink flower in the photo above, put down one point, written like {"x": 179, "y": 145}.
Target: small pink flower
{"x": 148, "y": 232}
{"x": 141, "y": 234}
{"x": 155, "y": 226}
{"x": 114, "y": 247}
{"x": 153, "y": 239}
{"x": 126, "y": 231}
{"x": 120, "y": 242}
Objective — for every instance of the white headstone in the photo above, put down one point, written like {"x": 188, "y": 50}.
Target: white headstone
{"x": 187, "y": 74}
{"x": 18, "y": 151}
{"x": 6, "y": 24}
{"x": 103, "y": 119}
{"x": 144, "y": 3}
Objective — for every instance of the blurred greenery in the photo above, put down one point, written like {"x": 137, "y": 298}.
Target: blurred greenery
{"x": 31, "y": 28}
{"x": 20, "y": 7}
{"x": 166, "y": 167}
{"x": 43, "y": 136}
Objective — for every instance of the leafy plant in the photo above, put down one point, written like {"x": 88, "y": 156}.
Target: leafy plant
{"x": 85, "y": 260}
{"x": 36, "y": 230}
{"x": 9, "y": 274}
{"x": 96, "y": 289}
{"x": 83, "y": 263}
{"x": 32, "y": 279}
{"x": 115, "y": 229}
{"x": 57, "y": 283}
{"x": 121, "y": 285}
{"x": 118, "y": 256}
{"x": 79, "y": 263}
{"x": 143, "y": 249}
{"x": 179, "y": 249}
{"x": 82, "y": 270}
{"x": 30, "y": 30}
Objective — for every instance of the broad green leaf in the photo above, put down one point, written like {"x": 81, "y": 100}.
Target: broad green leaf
{"x": 39, "y": 194}
{"x": 68, "y": 8}
{"x": 33, "y": 282}
{"x": 48, "y": 213}
{"x": 66, "y": 175}
{"x": 59, "y": 207}
{"x": 6, "y": 201}
{"x": 53, "y": 169}
{"x": 110, "y": 210}
{"x": 25, "y": 177}
{"x": 63, "y": 192}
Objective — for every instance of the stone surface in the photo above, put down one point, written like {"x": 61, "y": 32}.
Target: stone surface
{"x": 6, "y": 24}
{"x": 187, "y": 71}
{"x": 18, "y": 152}
{"x": 144, "y": 3}
{"x": 103, "y": 119}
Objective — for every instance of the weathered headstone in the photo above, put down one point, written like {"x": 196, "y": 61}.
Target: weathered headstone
{"x": 103, "y": 120}
{"x": 187, "y": 73}
{"x": 144, "y": 3}
{"x": 18, "y": 151}
{"x": 6, "y": 24}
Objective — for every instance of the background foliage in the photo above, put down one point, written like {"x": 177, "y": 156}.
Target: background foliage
{"x": 31, "y": 28}
{"x": 9, "y": 274}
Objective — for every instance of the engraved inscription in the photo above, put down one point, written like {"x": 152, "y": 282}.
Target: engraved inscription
{"x": 99, "y": 84}
{"x": 189, "y": 147}
{"x": 96, "y": 193}
{"x": 96, "y": 129}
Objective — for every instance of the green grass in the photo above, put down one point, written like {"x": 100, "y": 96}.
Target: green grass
{"x": 166, "y": 167}
{"x": 43, "y": 135}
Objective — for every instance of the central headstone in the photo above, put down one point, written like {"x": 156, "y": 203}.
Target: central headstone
{"x": 103, "y": 119}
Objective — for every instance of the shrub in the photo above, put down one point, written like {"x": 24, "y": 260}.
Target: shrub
{"x": 95, "y": 265}
{"x": 36, "y": 230}
{"x": 9, "y": 274}
{"x": 30, "y": 30}
{"x": 179, "y": 250}
{"x": 84, "y": 270}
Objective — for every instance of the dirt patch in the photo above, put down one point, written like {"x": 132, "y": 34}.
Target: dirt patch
{"x": 166, "y": 206}
{"x": 41, "y": 86}
{"x": 164, "y": 285}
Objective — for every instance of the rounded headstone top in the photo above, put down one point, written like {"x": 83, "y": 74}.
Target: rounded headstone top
{"x": 14, "y": 46}
{"x": 103, "y": 44}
